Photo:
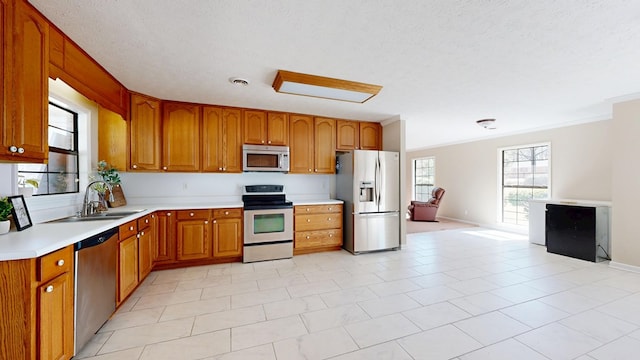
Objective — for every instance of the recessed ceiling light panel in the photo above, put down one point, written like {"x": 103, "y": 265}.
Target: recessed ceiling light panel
{"x": 323, "y": 87}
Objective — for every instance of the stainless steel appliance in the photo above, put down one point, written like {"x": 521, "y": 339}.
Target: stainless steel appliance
{"x": 268, "y": 223}
{"x": 369, "y": 184}
{"x": 265, "y": 158}
{"x": 95, "y": 285}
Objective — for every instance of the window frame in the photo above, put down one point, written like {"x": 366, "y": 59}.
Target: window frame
{"x": 414, "y": 174}
{"x": 500, "y": 182}
{"x": 53, "y": 149}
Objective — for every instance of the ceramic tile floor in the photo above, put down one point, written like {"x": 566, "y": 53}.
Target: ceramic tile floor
{"x": 466, "y": 294}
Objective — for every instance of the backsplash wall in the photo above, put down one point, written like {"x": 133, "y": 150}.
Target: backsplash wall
{"x": 176, "y": 188}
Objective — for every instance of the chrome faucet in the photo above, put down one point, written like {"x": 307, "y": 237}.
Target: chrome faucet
{"x": 87, "y": 208}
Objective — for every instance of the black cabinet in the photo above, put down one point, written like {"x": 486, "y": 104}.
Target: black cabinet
{"x": 577, "y": 231}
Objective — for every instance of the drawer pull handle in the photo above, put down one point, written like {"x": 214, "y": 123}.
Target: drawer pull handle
{"x": 308, "y": 209}
{"x": 49, "y": 289}
{"x": 60, "y": 262}
{"x": 131, "y": 228}
{"x": 226, "y": 213}
{"x": 329, "y": 208}
{"x": 191, "y": 214}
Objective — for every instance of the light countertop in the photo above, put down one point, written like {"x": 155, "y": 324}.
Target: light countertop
{"x": 43, "y": 238}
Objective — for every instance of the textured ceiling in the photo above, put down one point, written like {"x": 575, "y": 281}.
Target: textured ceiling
{"x": 443, "y": 63}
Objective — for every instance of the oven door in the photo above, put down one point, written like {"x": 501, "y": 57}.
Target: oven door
{"x": 268, "y": 225}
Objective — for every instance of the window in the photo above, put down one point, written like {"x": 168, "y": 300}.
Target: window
{"x": 525, "y": 176}
{"x": 424, "y": 173}
{"x": 60, "y": 175}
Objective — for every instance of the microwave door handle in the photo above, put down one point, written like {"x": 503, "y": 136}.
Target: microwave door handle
{"x": 279, "y": 161}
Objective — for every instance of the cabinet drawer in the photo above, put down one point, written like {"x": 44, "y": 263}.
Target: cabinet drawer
{"x": 227, "y": 213}
{"x": 128, "y": 230}
{"x": 318, "y": 209}
{"x": 55, "y": 263}
{"x": 194, "y": 214}
{"x": 144, "y": 222}
{"x": 318, "y": 221}
{"x": 309, "y": 239}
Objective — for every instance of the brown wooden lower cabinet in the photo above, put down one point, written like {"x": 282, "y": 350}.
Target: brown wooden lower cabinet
{"x": 36, "y": 307}
{"x": 164, "y": 250}
{"x": 127, "y": 267}
{"x": 227, "y": 233}
{"x": 193, "y": 234}
{"x": 146, "y": 239}
{"x": 317, "y": 228}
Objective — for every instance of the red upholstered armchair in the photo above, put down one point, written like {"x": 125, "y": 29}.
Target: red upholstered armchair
{"x": 426, "y": 211}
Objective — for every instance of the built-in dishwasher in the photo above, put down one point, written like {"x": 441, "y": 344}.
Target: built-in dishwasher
{"x": 95, "y": 285}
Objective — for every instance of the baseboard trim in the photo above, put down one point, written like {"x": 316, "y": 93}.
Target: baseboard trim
{"x": 626, "y": 267}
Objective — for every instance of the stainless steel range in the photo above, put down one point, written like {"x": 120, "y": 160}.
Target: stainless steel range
{"x": 268, "y": 223}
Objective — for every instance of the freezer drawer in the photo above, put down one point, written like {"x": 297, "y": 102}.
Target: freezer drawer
{"x": 377, "y": 231}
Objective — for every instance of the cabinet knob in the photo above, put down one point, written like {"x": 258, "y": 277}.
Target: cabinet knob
{"x": 13, "y": 149}
{"x": 20, "y": 150}
{"x": 269, "y": 142}
{"x": 164, "y": 168}
{"x": 309, "y": 170}
{"x": 308, "y": 209}
{"x": 134, "y": 166}
{"x": 146, "y": 221}
{"x": 206, "y": 222}
{"x": 329, "y": 219}
{"x": 330, "y": 208}
{"x": 308, "y": 220}
{"x": 138, "y": 236}
{"x": 308, "y": 237}
{"x": 60, "y": 262}
{"x": 130, "y": 228}
{"x": 220, "y": 168}
{"x": 330, "y": 235}
{"x": 142, "y": 233}
{"x": 153, "y": 216}
{"x": 191, "y": 214}
{"x": 226, "y": 213}
{"x": 168, "y": 214}
{"x": 215, "y": 221}
{"x": 224, "y": 169}
{"x": 263, "y": 141}
{"x": 316, "y": 170}
{"x": 49, "y": 289}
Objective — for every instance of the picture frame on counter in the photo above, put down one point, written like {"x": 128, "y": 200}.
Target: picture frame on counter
{"x": 20, "y": 212}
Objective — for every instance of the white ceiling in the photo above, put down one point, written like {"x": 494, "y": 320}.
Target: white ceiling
{"x": 443, "y": 63}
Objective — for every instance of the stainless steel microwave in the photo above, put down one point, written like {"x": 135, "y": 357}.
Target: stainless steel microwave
{"x": 265, "y": 158}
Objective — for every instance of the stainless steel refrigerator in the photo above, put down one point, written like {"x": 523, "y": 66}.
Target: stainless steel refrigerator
{"x": 369, "y": 184}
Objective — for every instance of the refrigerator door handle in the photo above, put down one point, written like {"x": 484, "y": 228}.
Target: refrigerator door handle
{"x": 379, "y": 181}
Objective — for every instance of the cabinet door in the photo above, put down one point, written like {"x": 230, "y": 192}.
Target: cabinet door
{"x": 255, "y": 127}
{"x": 194, "y": 239}
{"x": 301, "y": 144}
{"x": 127, "y": 267}
{"x": 231, "y": 143}
{"x": 180, "y": 137}
{"x": 348, "y": 135}
{"x": 145, "y": 133}
{"x": 6, "y": 133}
{"x": 25, "y": 139}
{"x": 145, "y": 251}
{"x": 227, "y": 237}
{"x": 112, "y": 139}
{"x": 55, "y": 318}
{"x": 277, "y": 129}
{"x": 164, "y": 250}
{"x": 211, "y": 138}
{"x": 370, "y": 136}
{"x": 325, "y": 146}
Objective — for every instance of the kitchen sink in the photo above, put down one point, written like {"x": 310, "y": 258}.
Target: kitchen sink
{"x": 109, "y": 215}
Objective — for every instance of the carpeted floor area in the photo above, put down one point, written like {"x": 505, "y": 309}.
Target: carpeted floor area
{"x": 442, "y": 224}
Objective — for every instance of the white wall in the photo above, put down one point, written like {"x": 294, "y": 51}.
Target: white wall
{"x": 625, "y": 242}
{"x": 580, "y": 169}
{"x": 393, "y": 139}
{"x": 181, "y": 188}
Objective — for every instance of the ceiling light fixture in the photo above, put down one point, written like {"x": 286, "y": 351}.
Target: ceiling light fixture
{"x": 489, "y": 124}
{"x": 323, "y": 87}
{"x": 239, "y": 81}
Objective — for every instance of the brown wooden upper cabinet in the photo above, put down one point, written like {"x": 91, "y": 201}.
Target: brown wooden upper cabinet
{"x": 25, "y": 90}
{"x": 180, "y": 137}
{"x": 221, "y": 139}
{"x": 145, "y": 133}
{"x": 266, "y": 127}
{"x": 370, "y": 136}
{"x": 313, "y": 144}
{"x": 347, "y": 135}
